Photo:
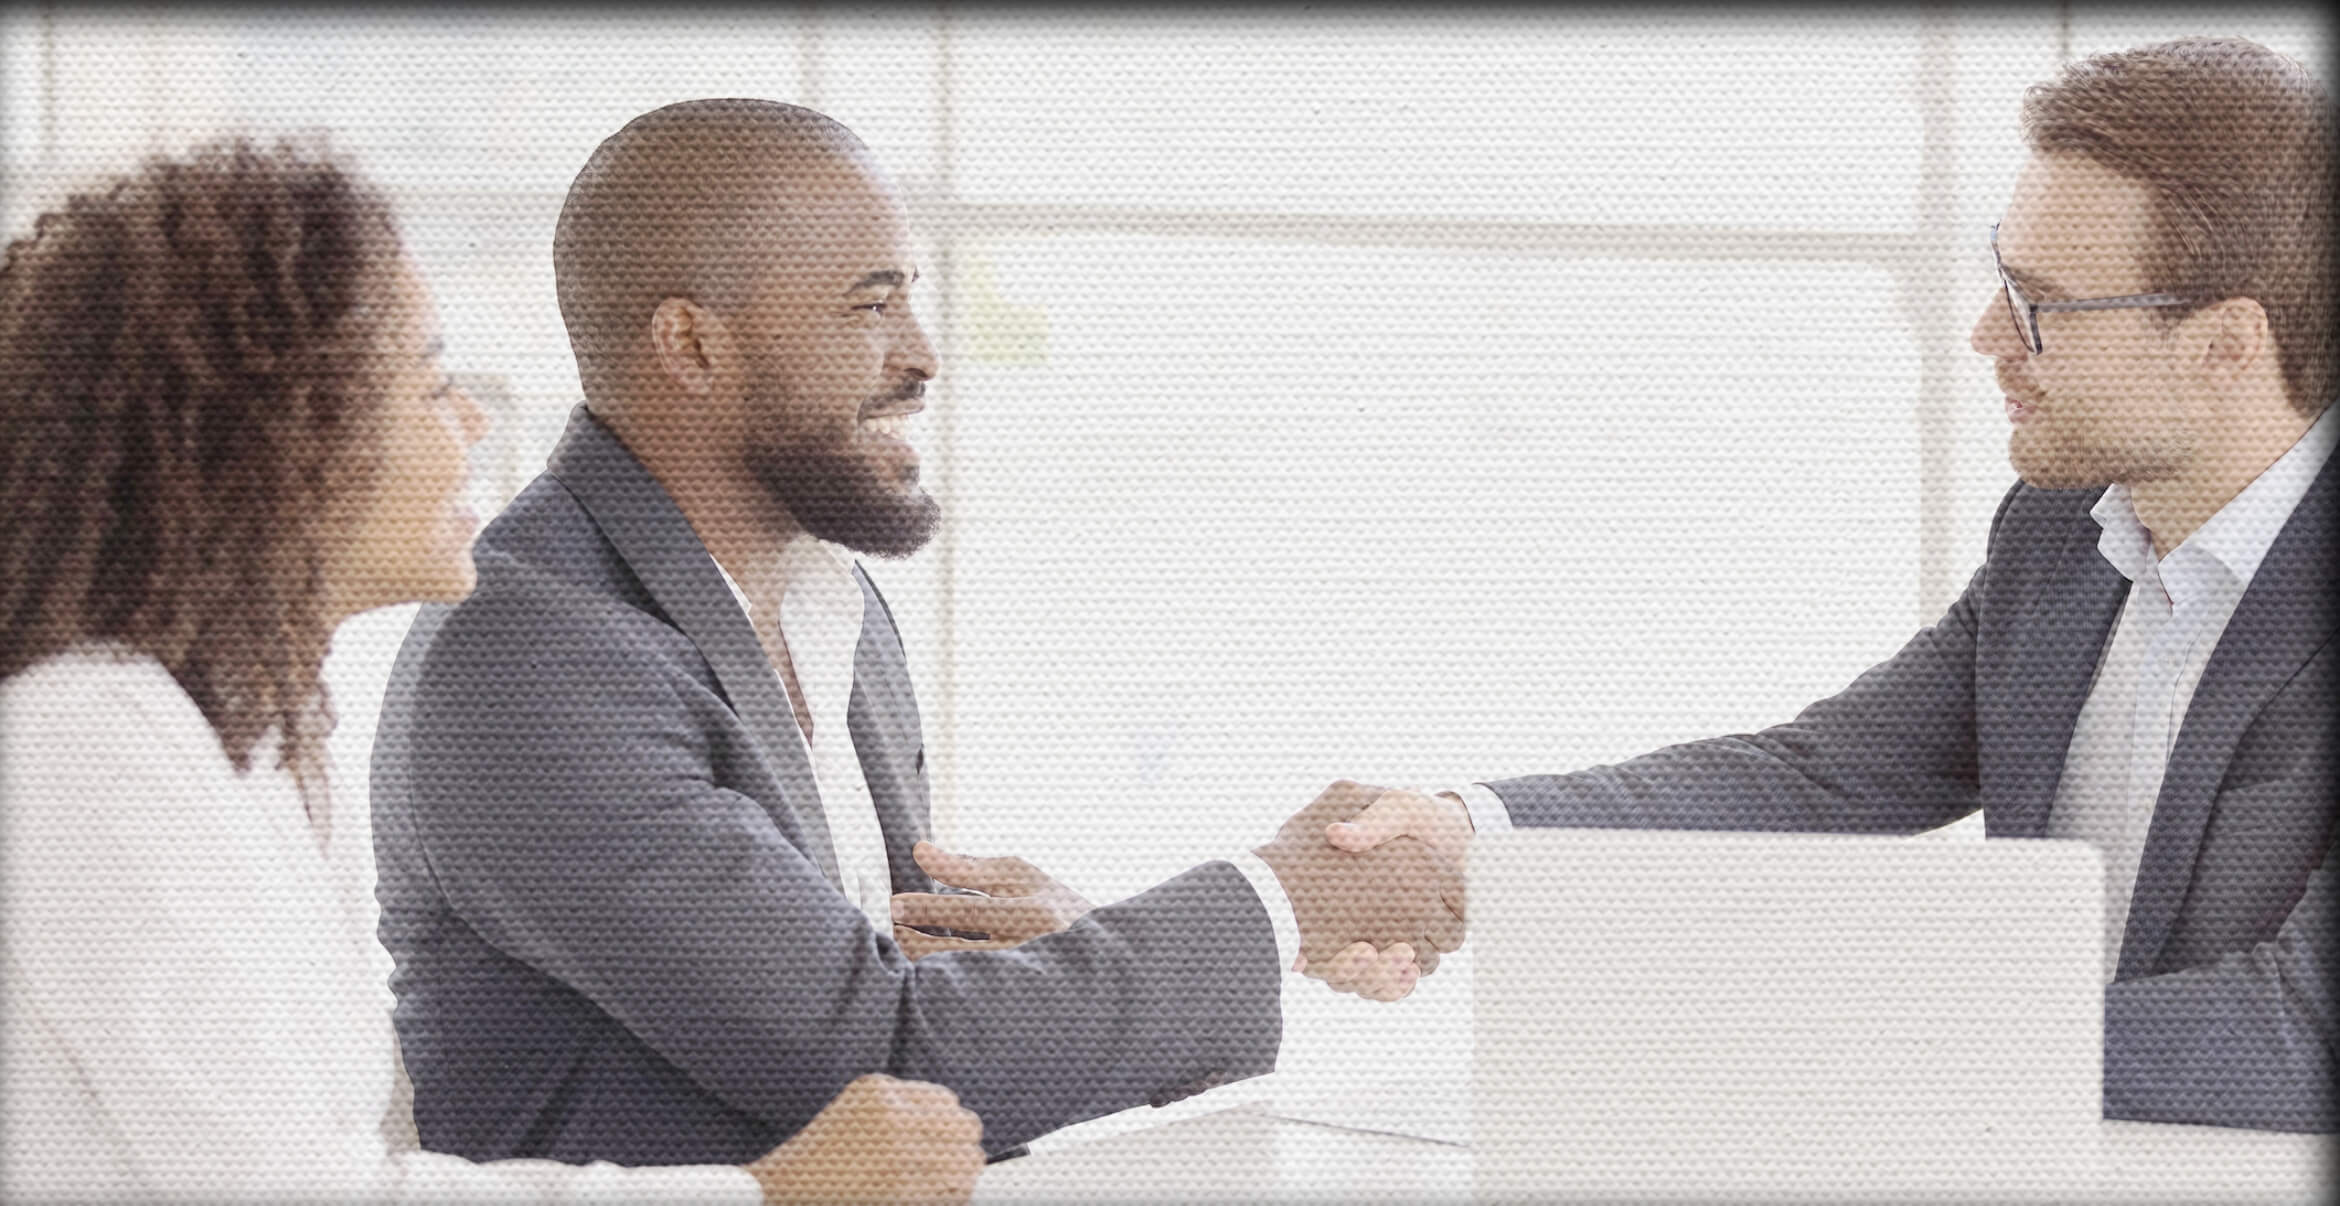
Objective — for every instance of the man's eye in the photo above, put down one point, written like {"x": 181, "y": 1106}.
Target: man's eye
{"x": 877, "y": 308}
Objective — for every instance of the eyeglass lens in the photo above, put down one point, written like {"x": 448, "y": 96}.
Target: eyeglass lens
{"x": 2019, "y": 312}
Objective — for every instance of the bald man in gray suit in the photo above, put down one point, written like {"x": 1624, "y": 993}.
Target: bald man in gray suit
{"x": 642, "y": 800}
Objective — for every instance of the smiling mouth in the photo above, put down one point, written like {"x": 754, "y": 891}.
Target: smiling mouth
{"x": 895, "y": 427}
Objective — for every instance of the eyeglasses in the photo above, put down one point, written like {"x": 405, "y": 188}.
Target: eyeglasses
{"x": 2025, "y": 312}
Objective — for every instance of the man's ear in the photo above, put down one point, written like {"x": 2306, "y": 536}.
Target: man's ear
{"x": 692, "y": 344}
{"x": 2238, "y": 338}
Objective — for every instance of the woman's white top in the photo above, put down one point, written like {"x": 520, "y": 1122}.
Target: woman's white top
{"x": 195, "y": 1003}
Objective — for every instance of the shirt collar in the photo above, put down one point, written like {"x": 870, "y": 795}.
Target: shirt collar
{"x": 2237, "y": 537}
{"x": 2124, "y": 541}
{"x": 809, "y": 569}
{"x": 2242, "y": 531}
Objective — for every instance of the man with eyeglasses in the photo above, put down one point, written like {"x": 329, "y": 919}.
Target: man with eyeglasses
{"x": 2145, "y": 660}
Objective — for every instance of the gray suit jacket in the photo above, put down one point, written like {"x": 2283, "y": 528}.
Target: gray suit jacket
{"x": 608, "y": 884}
{"x": 2223, "y": 1009}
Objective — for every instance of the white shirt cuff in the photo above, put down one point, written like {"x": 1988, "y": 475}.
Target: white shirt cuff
{"x": 1278, "y": 906}
{"x": 1488, "y": 813}
{"x": 714, "y": 1185}
{"x": 421, "y": 1177}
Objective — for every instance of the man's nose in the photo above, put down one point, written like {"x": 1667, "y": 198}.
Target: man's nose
{"x": 1993, "y": 334}
{"x": 914, "y": 352}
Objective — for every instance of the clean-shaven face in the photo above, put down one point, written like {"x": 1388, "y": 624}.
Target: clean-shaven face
{"x": 410, "y": 537}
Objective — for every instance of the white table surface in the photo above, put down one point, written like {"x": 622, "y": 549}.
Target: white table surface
{"x": 1249, "y": 1154}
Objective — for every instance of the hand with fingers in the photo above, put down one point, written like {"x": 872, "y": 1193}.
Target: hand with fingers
{"x": 1387, "y": 973}
{"x": 1372, "y": 972}
{"x": 1400, "y": 899}
{"x": 1440, "y": 820}
{"x": 880, "y": 1140}
{"x": 1018, "y": 903}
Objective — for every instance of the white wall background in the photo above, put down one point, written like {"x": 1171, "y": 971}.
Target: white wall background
{"x": 1405, "y": 397}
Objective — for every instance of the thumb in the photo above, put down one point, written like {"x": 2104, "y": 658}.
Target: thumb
{"x": 991, "y": 875}
{"x": 1385, "y": 818}
{"x": 940, "y": 863}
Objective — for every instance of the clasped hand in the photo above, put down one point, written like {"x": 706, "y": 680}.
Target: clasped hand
{"x": 1376, "y": 905}
{"x": 1374, "y": 877}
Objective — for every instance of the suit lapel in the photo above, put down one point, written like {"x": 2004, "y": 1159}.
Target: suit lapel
{"x": 2282, "y": 620}
{"x": 649, "y": 531}
{"x": 883, "y": 719}
{"x": 2056, "y": 652}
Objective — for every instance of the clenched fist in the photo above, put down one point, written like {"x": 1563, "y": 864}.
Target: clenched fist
{"x": 881, "y": 1140}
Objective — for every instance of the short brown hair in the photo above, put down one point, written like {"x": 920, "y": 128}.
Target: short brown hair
{"x": 2234, "y": 143}
{"x": 185, "y": 360}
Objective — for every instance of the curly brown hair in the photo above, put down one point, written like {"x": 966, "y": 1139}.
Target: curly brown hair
{"x": 185, "y": 360}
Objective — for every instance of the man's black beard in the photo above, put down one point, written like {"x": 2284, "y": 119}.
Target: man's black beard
{"x": 838, "y": 498}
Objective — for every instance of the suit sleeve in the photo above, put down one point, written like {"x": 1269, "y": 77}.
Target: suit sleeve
{"x": 2245, "y": 1041}
{"x": 1892, "y": 753}
{"x": 564, "y": 801}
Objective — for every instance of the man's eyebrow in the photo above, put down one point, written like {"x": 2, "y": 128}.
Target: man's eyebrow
{"x": 888, "y": 277}
{"x": 2040, "y": 287}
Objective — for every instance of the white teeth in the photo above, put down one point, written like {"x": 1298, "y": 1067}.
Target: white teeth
{"x": 893, "y": 427}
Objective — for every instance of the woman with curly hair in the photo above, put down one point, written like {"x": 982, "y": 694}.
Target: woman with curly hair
{"x": 223, "y": 430}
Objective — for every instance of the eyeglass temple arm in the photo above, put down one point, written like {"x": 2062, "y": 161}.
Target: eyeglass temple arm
{"x": 2130, "y": 301}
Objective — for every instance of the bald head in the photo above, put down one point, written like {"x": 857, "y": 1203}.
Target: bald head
{"x": 699, "y": 200}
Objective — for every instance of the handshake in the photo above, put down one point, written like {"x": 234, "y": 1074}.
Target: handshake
{"x": 1375, "y": 878}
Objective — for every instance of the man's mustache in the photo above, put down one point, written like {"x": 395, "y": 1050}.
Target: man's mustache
{"x": 909, "y": 391}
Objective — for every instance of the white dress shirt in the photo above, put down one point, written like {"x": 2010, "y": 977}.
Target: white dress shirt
{"x": 193, "y": 992}
{"x": 2176, "y": 611}
{"x": 820, "y": 627}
